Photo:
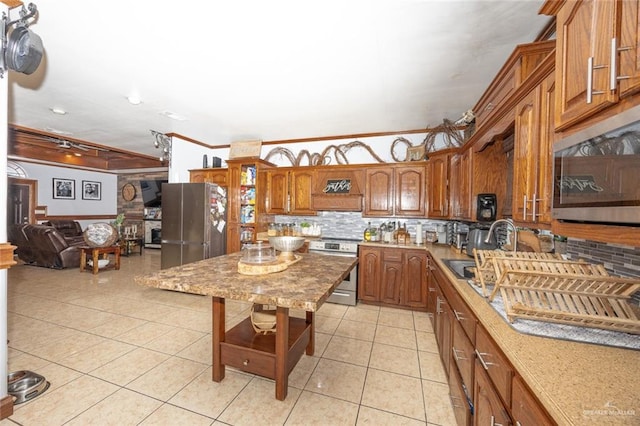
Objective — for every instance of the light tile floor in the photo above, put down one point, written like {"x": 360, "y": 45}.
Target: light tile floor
{"x": 122, "y": 354}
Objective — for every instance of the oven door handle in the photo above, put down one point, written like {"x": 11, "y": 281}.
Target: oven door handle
{"x": 339, "y": 293}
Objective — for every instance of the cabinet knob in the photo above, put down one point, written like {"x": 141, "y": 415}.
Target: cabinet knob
{"x": 245, "y": 362}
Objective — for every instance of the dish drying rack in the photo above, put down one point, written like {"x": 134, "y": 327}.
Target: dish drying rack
{"x": 545, "y": 287}
{"x": 588, "y": 301}
{"x": 485, "y": 272}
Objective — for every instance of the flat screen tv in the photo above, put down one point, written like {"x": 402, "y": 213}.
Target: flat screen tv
{"x": 152, "y": 192}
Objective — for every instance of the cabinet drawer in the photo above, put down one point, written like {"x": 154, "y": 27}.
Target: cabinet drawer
{"x": 464, "y": 316}
{"x": 459, "y": 401}
{"x": 393, "y": 255}
{"x": 249, "y": 360}
{"x": 463, "y": 355}
{"x": 495, "y": 364}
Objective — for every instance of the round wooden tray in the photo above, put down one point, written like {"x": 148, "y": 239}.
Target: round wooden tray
{"x": 266, "y": 268}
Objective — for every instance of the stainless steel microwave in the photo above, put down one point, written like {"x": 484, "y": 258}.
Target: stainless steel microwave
{"x": 597, "y": 172}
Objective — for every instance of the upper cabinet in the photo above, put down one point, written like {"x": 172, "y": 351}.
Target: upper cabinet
{"x": 460, "y": 185}
{"x": 597, "y": 56}
{"x": 214, "y": 175}
{"x": 289, "y": 191}
{"x": 438, "y": 193}
{"x": 532, "y": 154}
{"x": 395, "y": 191}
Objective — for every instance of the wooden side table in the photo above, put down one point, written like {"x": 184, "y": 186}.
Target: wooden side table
{"x": 129, "y": 244}
{"x": 96, "y": 253}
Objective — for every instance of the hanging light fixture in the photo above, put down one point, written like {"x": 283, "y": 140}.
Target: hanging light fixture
{"x": 162, "y": 142}
{"x": 22, "y": 50}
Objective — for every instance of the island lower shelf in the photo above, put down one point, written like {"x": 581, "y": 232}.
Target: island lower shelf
{"x": 255, "y": 353}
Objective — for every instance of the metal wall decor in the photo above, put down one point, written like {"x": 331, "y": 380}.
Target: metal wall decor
{"x": 162, "y": 142}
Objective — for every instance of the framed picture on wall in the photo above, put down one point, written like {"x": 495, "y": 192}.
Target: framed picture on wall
{"x": 64, "y": 189}
{"x": 91, "y": 190}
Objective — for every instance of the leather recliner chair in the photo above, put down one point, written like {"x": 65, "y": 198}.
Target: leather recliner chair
{"x": 70, "y": 229}
{"x": 48, "y": 248}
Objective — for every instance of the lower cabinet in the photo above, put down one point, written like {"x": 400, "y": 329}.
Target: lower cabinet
{"x": 525, "y": 409}
{"x": 488, "y": 407}
{"x": 393, "y": 276}
{"x": 484, "y": 387}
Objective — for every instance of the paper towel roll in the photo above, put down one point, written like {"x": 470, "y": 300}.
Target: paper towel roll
{"x": 419, "y": 233}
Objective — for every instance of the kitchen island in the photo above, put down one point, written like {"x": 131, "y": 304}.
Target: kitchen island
{"x": 304, "y": 285}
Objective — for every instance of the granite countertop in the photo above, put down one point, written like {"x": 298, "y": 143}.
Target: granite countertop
{"x": 305, "y": 284}
{"x": 578, "y": 383}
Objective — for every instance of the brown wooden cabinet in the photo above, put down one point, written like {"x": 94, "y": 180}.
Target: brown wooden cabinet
{"x": 460, "y": 185}
{"x": 438, "y": 193}
{"x": 475, "y": 365}
{"x": 289, "y": 191}
{"x": 597, "y": 56}
{"x": 525, "y": 409}
{"x": 488, "y": 408}
{"x": 393, "y": 276}
{"x": 532, "y": 155}
{"x": 391, "y": 284}
{"x": 216, "y": 175}
{"x": 395, "y": 191}
{"x": 369, "y": 261}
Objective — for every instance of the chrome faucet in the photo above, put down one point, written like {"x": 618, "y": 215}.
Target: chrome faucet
{"x": 508, "y": 222}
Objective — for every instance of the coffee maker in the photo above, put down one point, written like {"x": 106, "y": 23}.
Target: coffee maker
{"x": 486, "y": 207}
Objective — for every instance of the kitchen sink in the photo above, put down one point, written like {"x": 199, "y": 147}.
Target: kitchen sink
{"x": 460, "y": 267}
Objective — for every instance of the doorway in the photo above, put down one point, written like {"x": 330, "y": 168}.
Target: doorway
{"x": 21, "y": 201}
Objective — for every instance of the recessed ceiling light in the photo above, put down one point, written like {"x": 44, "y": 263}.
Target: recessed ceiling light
{"x": 57, "y": 131}
{"x": 134, "y": 100}
{"x": 174, "y": 116}
{"x": 58, "y": 110}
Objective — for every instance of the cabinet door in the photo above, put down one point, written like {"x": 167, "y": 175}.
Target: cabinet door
{"x": 217, "y": 176}
{"x": 443, "y": 328}
{"x": 525, "y": 153}
{"x": 463, "y": 356}
{"x": 410, "y": 185}
{"x": 461, "y": 409}
{"x": 488, "y": 409}
{"x": 629, "y": 48}
{"x": 460, "y": 186}
{"x": 414, "y": 288}
{"x": 277, "y": 192}
{"x": 544, "y": 190}
{"x": 438, "y": 193}
{"x": 431, "y": 290}
{"x": 493, "y": 362}
{"x": 300, "y": 188}
{"x": 585, "y": 30}
{"x": 391, "y": 276}
{"x": 525, "y": 408}
{"x": 379, "y": 197}
{"x": 369, "y": 274}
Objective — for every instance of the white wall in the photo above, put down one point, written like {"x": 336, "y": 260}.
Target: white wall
{"x": 187, "y": 155}
{"x": 45, "y": 174}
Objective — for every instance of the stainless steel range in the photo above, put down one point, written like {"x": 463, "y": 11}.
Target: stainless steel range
{"x": 345, "y": 293}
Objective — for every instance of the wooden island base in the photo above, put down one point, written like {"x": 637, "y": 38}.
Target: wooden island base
{"x": 273, "y": 355}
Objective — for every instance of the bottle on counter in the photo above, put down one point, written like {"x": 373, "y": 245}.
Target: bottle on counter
{"x": 367, "y": 232}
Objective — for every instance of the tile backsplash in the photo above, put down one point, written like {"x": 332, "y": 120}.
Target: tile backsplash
{"x": 618, "y": 259}
{"x": 351, "y": 225}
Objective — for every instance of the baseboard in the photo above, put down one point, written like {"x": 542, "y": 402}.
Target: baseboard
{"x": 6, "y": 407}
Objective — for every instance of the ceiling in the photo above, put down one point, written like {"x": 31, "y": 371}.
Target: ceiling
{"x": 221, "y": 71}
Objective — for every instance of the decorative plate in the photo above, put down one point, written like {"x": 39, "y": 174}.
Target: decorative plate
{"x": 100, "y": 234}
